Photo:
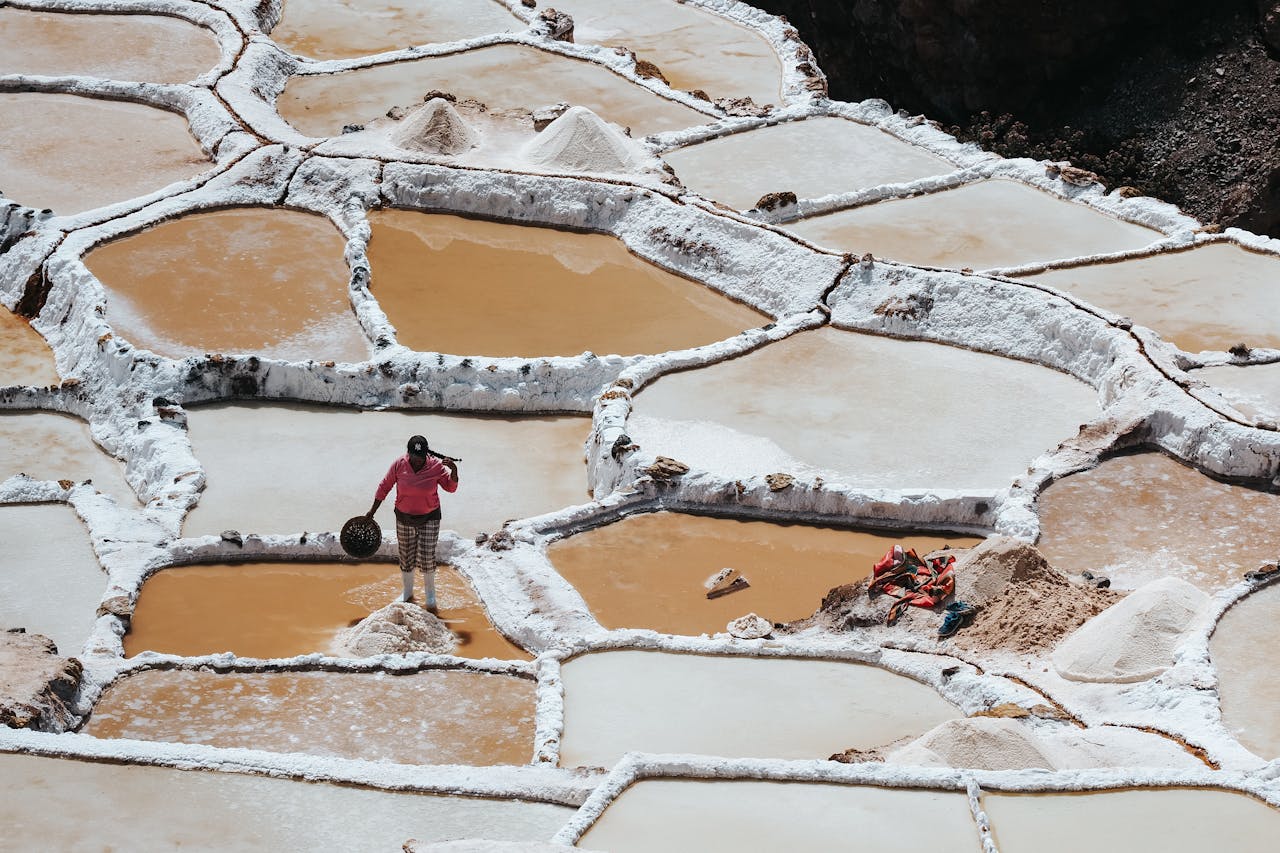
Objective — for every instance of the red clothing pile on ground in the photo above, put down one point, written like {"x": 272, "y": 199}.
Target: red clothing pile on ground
{"x": 912, "y": 581}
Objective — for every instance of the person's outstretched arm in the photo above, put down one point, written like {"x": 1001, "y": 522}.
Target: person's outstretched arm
{"x": 384, "y": 488}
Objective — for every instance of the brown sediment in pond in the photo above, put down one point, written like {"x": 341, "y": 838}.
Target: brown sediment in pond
{"x": 278, "y": 610}
{"x": 812, "y": 158}
{"x": 431, "y": 717}
{"x": 25, "y": 359}
{"x": 243, "y": 280}
{"x": 1207, "y": 298}
{"x": 457, "y": 285}
{"x": 341, "y": 29}
{"x": 502, "y": 76}
{"x": 992, "y": 223}
{"x": 73, "y": 154}
{"x": 647, "y": 571}
{"x": 1248, "y": 680}
{"x": 749, "y": 815}
{"x": 146, "y": 48}
{"x": 1140, "y": 517}
{"x": 49, "y": 446}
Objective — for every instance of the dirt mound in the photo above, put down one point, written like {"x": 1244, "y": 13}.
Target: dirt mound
{"x": 36, "y": 685}
{"x": 398, "y": 628}
{"x": 435, "y": 128}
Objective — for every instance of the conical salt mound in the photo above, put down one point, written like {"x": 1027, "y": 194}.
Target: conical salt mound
{"x": 977, "y": 743}
{"x": 581, "y": 141}
{"x": 435, "y": 128}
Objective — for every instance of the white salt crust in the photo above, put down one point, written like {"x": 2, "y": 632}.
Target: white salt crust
{"x": 258, "y": 159}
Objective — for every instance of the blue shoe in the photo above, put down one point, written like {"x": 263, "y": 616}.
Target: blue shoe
{"x": 957, "y": 615}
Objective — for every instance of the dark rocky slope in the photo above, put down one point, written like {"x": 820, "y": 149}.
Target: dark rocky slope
{"x": 1180, "y": 99}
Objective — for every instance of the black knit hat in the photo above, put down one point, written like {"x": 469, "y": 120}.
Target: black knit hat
{"x": 418, "y": 446}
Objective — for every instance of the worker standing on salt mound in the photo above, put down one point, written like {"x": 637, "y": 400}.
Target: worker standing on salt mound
{"x": 417, "y": 477}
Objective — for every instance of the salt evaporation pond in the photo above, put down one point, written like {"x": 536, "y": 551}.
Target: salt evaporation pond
{"x": 695, "y": 815}
{"x": 432, "y": 717}
{"x": 619, "y": 701}
{"x": 51, "y": 578}
{"x": 168, "y": 287}
{"x": 1208, "y": 298}
{"x": 25, "y": 359}
{"x": 48, "y": 446}
{"x": 740, "y": 168}
{"x": 340, "y": 29}
{"x": 647, "y": 571}
{"x": 694, "y": 48}
{"x": 1253, "y": 391}
{"x": 333, "y": 460}
{"x": 1174, "y": 521}
{"x": 151, "y": 48}
{"x": 994, "y": 223}
{"x": 506, "y": 290}
{"x": 831, "y": 401}
{"x": 1178, "y": 820}
{"x": 73, "y": 154}
{"x": 61, "y": 804}
{"x": 278, "y": 610}
{"x": 1248, "y": 680}
{"x": 502, "y": 76}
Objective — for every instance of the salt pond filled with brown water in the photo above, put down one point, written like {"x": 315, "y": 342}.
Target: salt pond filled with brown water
{"x": 503, "y": 77}
{"x": 51, "y": 577}
{"x": 48, "y": 446}
{"x": 457, "y": 285}
{"x": 1209, "y": 298}
{"x": 338, "y": 29}
{"x": 1175, "y": 521}
{"x": 429, "y": 717}
{"x": 647, "y": 571}
{"x": 1179, "y": 820}
{"x": 277, "y": 610}
{"x": 740, "y": 168}
{"x": 151, "y": 48}
{"x": 865, "y": 411}
{"x": 1254, "y": 391}
{"x": 1248, "y": 680}
{"x": 329, "y": 463}
{"x": 60, "y": 804}
{"x": 615, "y": 702}
{"x": 694, "y": 48}
{"x": 25, "y": 359}
{"x": 993, "y": 223}
{"x": 72, "y": 154}
{"x": 168, "y": 286}
{"x": 697, "y": 815}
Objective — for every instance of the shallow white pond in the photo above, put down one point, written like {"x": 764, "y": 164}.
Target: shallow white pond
{"x": 620, "y": 701}
{"x": 48, "y": 446}
{"x": 678, "y": 815}
{"x": 60, "y": 804}
{"x": 1248, "y": 680}
{"x": 864, "y": 411}
{"x": 336, "y": 29}
{"x": 1254, "y": 391}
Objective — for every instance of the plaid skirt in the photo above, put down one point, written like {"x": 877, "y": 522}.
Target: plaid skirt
{"x": 417, "y": 543}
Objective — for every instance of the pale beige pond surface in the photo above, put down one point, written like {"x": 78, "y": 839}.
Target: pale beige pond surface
{"x": 48, "y": 446}
{"x": 994, "y": 223}
{"x": 169, "y": 287}
{"x": 431, "y": 717}
{"x": 51, "y": 579}
{"x": 694, "y": 48}
{"x": 864, "y": 411}
{"x": 1248, "y": 680}
{"x": 1179, "y": 820}
{"x": 740, "y": 168}
{"x": 1209, "y": 298}
{"x": 620, "y": 701}
{"x": 1254, "y": 391}
{"x": 25, "y": 359}
{"x": 694, "y": 815}
{"x": 330, "y": 462}
{"x": 503, "y": 77}
{"x": 270, "y": 610}
{"x": 73, "y": 154}
{"x": 457, "y": 285}
{"x": 60, "y": 804}
{"x": 150, "y": 48}
{"x": 1141, "y": 517}
{"x": 338, "y": 29}
{"x": 647, "y": 571}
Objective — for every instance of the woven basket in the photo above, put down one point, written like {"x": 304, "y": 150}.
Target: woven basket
{"x": 361, "y": 537}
